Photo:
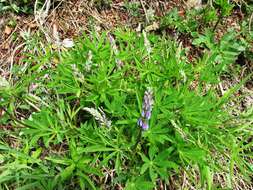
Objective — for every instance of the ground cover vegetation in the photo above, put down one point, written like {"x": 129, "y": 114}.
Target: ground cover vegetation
{"x": 132, "y": 109}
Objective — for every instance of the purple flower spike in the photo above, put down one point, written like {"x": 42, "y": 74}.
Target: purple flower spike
{"x": 146, "y": 110}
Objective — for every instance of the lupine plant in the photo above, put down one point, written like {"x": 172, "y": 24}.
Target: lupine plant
{"x": 79, "y": 120}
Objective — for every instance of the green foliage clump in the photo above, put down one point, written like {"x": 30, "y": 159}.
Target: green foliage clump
{"x": 80, "y": 111}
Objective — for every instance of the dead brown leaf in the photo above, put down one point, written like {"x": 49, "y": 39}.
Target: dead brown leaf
{"x": 7, "y": 30}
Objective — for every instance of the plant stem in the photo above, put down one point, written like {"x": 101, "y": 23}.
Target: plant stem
{"x": 216, "y": 24}
{"x": 138, "y": 139}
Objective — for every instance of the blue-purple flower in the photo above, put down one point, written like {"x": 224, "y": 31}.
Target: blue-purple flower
{"x": 146, "y": 110}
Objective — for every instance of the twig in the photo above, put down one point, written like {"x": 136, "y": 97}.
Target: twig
{"x": 184, "y": 180}
{"x": 216, "y": 24}
{"x": 58, "y": 4}
{"x": 12, "y": 59}
{"x": 221, "y": 88}
{"x": 145, "y": 11}
{"x": 250, "y": 22}
{"x": 40, "y": 16}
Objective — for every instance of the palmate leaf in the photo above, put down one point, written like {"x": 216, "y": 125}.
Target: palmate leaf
{"x": 163, "y": 159}
{"x": 157, "y": 164}
{"x": 44, "y": 124}
{"x": 64, "y": 80}
{"x": 157, "y": 134}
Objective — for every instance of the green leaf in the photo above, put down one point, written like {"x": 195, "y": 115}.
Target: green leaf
{"x": 125, "y": 122}
{"x": 194, "y": 154}
{"x": 29, "y": 186}
{"x": 153, "y": 175}
{"x": 152, "y": 151}
{"x": 87, "y": 179}
{"x": 139, "y": 183}
{"x": 209, "y": 177}
{"x": 164, "y": 155}
{"x": 110, "y": 156}
{"x": 96, "y": 148}
{"x": 168, "y": 164}
{"x": 117, "y": 163}
{"x": 89, "y": 169}
{"x": 144, "y": 168}
{"x": 37, "y": 153}
{"x": 67, "y": 172}
{"x": 59, "y": 160}
{"x": 144, "y": 158}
